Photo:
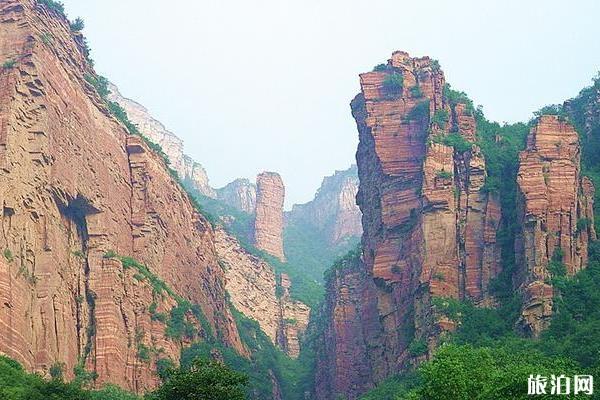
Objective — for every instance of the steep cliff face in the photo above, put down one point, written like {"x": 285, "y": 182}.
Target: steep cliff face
{"x": 268, "y": 225}
{"x": 557, "y": 219}
{"x": 345, "y": 359}
{"x": 172, "y": 145}
{"x": 240, "y": 194}
{"x": 74, "y": 187}
{"x": 333, "y": 212}
{"x": 429, "y": 229}
{"x": 252, "y": 286}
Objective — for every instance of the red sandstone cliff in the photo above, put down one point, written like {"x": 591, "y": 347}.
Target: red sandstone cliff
{"x": 188, "y": 169}
{"x": 429, "y": 230}
{"x": 557, "y": 218}
{"x": 333, "y": 212}
{"x": 252, "y": 285}
{"x": 73, "y": 186}
{"x": 268, "y": 226}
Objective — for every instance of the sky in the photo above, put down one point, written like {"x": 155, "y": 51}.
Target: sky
{"x": 266, "y": 84}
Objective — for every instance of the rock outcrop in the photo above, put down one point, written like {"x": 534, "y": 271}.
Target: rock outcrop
{"x": 268, "y": 226}
{"x": 252, "y": 286}
{"x": 184, "y": 165}
{"x": 239, "y": 194}
{"x": 75, "y": 187}
{"x": 294, "y": 319}
{"x": 333, "y": 212}
{"x": 557, "y": 218}
{"x": 429, "y": 229}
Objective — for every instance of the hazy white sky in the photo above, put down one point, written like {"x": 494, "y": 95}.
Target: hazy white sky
{"x": 265, "y": 84}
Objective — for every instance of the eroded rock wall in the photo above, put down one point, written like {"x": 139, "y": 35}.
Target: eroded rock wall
{"x": 74, "y": 186}
{"x": 428, "y": 228}
{"x": 268, "y": 225}
{"x": 240, "y": 194}
{"x": 333, "y": 212}
{"x": 556, "y": 211}
{"x": 188, "y": 169}
{"x": 252, "y": 286}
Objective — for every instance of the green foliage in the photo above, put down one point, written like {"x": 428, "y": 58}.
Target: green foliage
{"x": 164, "y": 368}
{"x": 9, "y": 64}
{"x": 393, "y": 84}
{"x": 440, "y": 118}
{"x": 178, "y": 326}
{"x": 57, "y": 370}
{"x": 47, "y": 38}
{"x": 349, "y": 262}
{"x": 110, "y": 254}
{"x": 203, "y": 380}
{"x": 551, "y": 109}
{"x": 454, "y": 140}
{"x": 380, "y": 67}
{"x": 419, "y": 112}
{"x": 455, "y": 97}
{"x": 78, "y": 253}
{"x": 306, "y": 252}
{"x": 444, "y": 174}
{"x": 143, "y": 352}
{"x": 417, "y": 347}
{"x": 583, "y": 224}
{"x": 78, "y": 25}
{"x": 8, "y": 255}
{"x": 53, "y": 5}
{"x": 416, "y": 91}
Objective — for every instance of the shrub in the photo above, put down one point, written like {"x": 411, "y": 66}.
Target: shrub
{"x": 454, "y": 140}
{"x": 110, "y": 254}
{"x": 440, "y": 118}
{"x": 77, "y": 25}
{"x": 9, "y": 64}
{"x": 8, "y": 255}
{"x": 56, "y": 371}
{"x": 393, "y": 84}
{"x": 380, "y": 67}
{"x": 53, "y": 5}
{"x": 444, "y": 174}
{"x": 417, "y": 347}
{"x": 416, "y": 91}
{"x": 204, "y": 380}
{"x": 46, "y": 38}
{"x": 583, "y": 224}
{"x": 418, "y": 112}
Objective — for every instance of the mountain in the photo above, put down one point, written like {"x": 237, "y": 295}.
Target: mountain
{"x": 188, "y": 169}
{"x": 98, "y": 237}
{"x": 456, "y": 210}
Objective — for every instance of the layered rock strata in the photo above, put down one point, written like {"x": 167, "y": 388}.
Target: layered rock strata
{"x": 428, "y": 229}
{"x": 252, "y": 286}
{"x": 188, "y": 169}
{"x": 75, "y": 187}
{"x": 557, "y": 218}
{"x": 268, "y": 225}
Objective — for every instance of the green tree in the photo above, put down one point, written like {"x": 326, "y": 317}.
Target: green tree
{"x": 205, "y": 380}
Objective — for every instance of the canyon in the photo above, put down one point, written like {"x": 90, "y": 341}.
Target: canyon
{"x": 119, "y": 257}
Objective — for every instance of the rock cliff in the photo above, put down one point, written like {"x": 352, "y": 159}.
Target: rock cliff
{"x": 333, "y": 212}
{"x": 184, "y": 165}
{"x": 268, "y": 225}
{"x": 557, "y": 218}
{"x": 429, "y": 228}
{"x": 240, "y": 194}
{"x": 76, "y": 189}
{"x": 252, "y": 286}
